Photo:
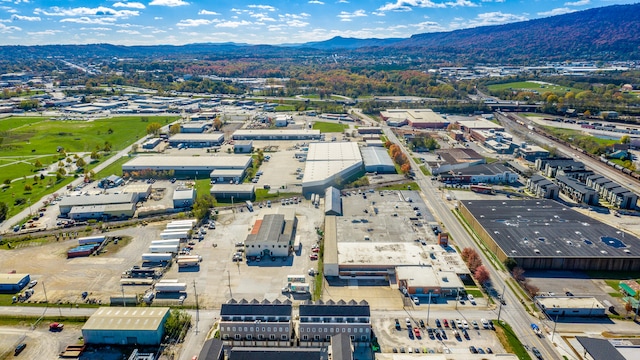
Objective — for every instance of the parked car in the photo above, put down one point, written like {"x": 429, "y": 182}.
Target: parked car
{"x": 19, "y": 349}
{"x": 438, "y": 323}
{"x": 416, "y": 332}
{"x": 536, "y": 352}
{"x": 313, "y": 256}
{"x": 397, "y": 324}
{"x": 473, "y": 349}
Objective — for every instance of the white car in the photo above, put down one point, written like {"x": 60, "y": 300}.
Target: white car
{"x": 470, "y": 297}
{"x": 33, "y": 283}
{"x": 416, "y": 300}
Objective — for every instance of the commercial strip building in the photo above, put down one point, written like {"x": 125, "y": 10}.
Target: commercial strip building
{"x": 544, "y": 234}
{"x": 568, "y": 306}
{"x": 273, "y": 235}
{"x": 126, "y": 326}
{"x": 227, "y": 175}
{"x": 195, "y": 127}
{"x": 184, "y": 198}
{"x": 607, "y": 349}
{"x": 425, "y": 280}
{"x": 277, "y": 134}
{"x": 329, "y": 164}
{"x": 453, "y": 160}
{"x": 186, "y": 166}
{"x": 103, "y": 212}
{"x": 195, "y": 140}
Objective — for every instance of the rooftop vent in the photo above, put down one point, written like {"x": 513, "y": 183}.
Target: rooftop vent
{"x": 536, "y": 251}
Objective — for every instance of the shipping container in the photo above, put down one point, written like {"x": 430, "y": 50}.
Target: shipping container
{"x": 163, "y": 248}
{"x": 167, "y": 235}
{"x": 166, "y": 242}
{"x": 159, "y": 257}
{"x": 170, "y": 287}
{"x": 91, "y": 240}
{"x": 188, "y": 262}
{"x": 178, "y": 227}
{"x": 296, "y": 278}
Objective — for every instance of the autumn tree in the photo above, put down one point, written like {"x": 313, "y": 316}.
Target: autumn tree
{"x": 37, "y": 164}
{"x": 217, "y": 124}
{"x": 481, "y": 274}
{"x": 174, "y": 129}
{"x": 628, "y": 307}
{"x": 154, "y": 128}
{"x": 625, "y": 139}
{"x": 405, "y": 168}
{"x": 518, "y": 273}
{"x": 80, "y": 162}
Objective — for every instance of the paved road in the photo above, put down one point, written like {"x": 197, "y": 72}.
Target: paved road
{"x": 513, "y": 312}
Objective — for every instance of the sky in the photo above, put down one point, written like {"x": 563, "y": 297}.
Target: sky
{"x": 177, "y": 22}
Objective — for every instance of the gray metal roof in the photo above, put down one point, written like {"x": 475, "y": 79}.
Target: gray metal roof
{"x": 184, "y": 194}
{"x": 332, "y": 201}
{"x": 281, "y": 353}
{"x": 100, "y": 199}
{"x": 484, "y": 169}
{"x": 574, "y": 184}
{"x": 554, "y": 230}
{"x": 165, "y": 162}
{"x": 273, "y": 229}
{"x": 341, "y": 347}
{"x": 128, "y": 318}
{"x": 376, "y": 156}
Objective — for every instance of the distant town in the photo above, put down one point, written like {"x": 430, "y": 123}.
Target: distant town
{"x": 213, "y": 209}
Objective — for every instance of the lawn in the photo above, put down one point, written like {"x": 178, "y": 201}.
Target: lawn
{"x": 12, "y": 123}
{"x": 327, "y": 127}
{"x": 532, "y": 86}
{"x": 510, "y": 341}
{"x": 285, "y": 108}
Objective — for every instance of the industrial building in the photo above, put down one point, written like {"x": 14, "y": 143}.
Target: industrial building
{"x": 103, "y": 212}
{"x": 243, "y": 147}
{"x": 321, "y": 320}
{"x": 332, "y": 202}
{"x": 495, "y": 173}
{"x": 254, "y": 323}
{"x": 126, "y": 326}
{"x": 185, "y": 166}
{"x": 227, "y": 175}
{"x": 531, "y": 152}
{"x": 273, "y": 235}
{"x": 183, "y": 198}
{"x": 377, "y": 160}
{"x": 151, "y": 143}
{"x": 607, "y": 349}
{"x": 110, "y": 181}
{"x": 194, "y": 127}
{"x": 239, "y": 192}
{"x": 278, "y": 134}
{"x": 544, "y": 234}
{"x": 12, "y": 283}
{"x": 68, "y": 202}
{"x": 453, "y": 160}
{"x": 425, "y": 281}
{"x": 330, "y": 164}
{"x": 194, "y": 140}
{"x": 563, "y": 306}
{"x": 416, "y": 118}
{"x": 478, "y": 124}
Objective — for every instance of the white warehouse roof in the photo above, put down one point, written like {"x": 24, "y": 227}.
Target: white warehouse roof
{"x": 187, "y": 163}
{"x": 376, "y": 156}
{"x": 126, "y": 318}
{"x": 198, "y": 137}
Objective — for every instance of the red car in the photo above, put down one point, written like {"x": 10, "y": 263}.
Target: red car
{"x": 315, "y": 250}
{"x": 445, "y": 322}
{"x": 313, "y": 256}
{"x": 416, "y": 332}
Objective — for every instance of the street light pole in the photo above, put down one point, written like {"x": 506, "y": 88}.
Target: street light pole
{"x": 553, "y": 333}
{"x": 429, "y": 308}
{"x": 501, "y": 300}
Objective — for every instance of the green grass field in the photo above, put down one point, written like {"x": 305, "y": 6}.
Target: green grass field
{"x": 327, "y": 127}
{"x": 531, "y": 86}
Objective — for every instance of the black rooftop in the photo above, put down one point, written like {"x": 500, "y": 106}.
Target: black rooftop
{"x": 334, "y": 310}
{"x": 600, "y": 349}
{"x": 255, "y": 310}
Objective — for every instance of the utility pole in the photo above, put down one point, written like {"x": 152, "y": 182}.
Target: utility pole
{"x": 124, "y": 303}
{"x": 457, "y": 297}
{"x": 504, "y": 288}
{"x": 195, "y": 292}
{"x": 429, "y": 308}
{"x": 553, "y": 333}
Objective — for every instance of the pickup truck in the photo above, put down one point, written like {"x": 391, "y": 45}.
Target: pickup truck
{"x": 56, "y": 326}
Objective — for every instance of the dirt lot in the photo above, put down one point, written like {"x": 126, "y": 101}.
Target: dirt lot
{"x": 41, "y": 343}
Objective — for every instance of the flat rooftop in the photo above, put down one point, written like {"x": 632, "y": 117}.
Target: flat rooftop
{"x": 545, "y": 228}
{"x": 479, "y": 123}
{"x": 276, "y": 132}
{"x": 197, "y": 137}
{"x": 100, "y": 199}
{"x": 569, "y": 302}
{"x": 126, "y": 318}
{"x": 11, "y": 278}
{"x": 240, "y": 188}
{"x": 187, "y": 162}
{"x": 333, "y": 151}
{"x": 428, "y": 276}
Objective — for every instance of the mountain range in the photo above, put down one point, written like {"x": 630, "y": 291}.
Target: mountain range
{"x": 606, "y": 33}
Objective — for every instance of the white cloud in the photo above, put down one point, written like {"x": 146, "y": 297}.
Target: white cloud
{"x": 43, "y": 33}
{"x": 158, "y": 18}
{"x": 262, "y": 17}
{"x": 194, "y": 22}
{"x": 347, "y": 16}
{"x": 85, "y": 11}
{"x": 428, "y": 26}
{"x": 25, "y": 18}
{"x": 8, "y": 29}
{"x": 578, "y": 3}
{"x": 88, "y": 20}
{"x": 262, "y": 7}
{"x": 233, "y": 24}
{"x": 407, "y": 5}
{"x": 316, "y": 2}
{"x": 96, "y": 28}
{"x": 207, "y": 12}
{"x": 131, "y": 5}
{"x": 556, "y": 11}
{"x": 494, "y": 18}
{"x": 297, "y": 23}
{"x": 129, "y": 32}
{"x": 169, "y": 3}
{"x": 461, "y": 3}
{"x": 8, "y": 9}
{"x": 343, "y": 2}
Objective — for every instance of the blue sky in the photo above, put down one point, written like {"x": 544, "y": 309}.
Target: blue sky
{"x": 34, "y": 22}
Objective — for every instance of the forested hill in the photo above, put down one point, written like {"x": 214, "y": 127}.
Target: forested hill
{"x": 611, "y": 32}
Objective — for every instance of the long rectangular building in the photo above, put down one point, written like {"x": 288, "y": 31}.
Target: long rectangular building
{"x": 195, "y": 140}
{"x": 187, "y": 166}
{"x": 126, "y": 326}
{"x": 329, "y": 164}
{"x": 279, "y": 134}
{"x": 68, "y": 202}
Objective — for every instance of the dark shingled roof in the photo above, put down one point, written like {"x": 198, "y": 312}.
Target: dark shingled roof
{"x": 255, "y": 310}
{"x": 264, "y": 353}
{"x": 599, "y": 349}
{"x": 326, "y": 310}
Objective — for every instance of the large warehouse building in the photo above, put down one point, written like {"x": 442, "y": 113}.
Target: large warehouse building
{"x": 329, "y": 164}
{"x": 12, "y": 283}
{"x": 186, "y": 166}
{"x": 194, "y": 140}
{"x": 69, "y": 202}
{"x": 279, "y": 134}
{"x": 126, "y": 326}
{"x": 417, "y": 118}
{"x": 544, "y": 234}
